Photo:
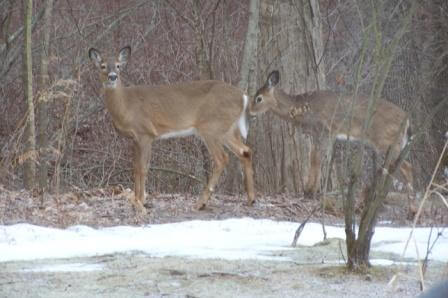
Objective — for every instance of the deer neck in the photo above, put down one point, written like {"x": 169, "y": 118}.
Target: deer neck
{"x": 286, "y": 103}
{"x": 115, "y": 100}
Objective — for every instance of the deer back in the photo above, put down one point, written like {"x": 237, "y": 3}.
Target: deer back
{"x": 325, "y": 113}
{"x": 342, "y": 116}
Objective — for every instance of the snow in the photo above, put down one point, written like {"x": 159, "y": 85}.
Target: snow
{"x": 70, "y": 267}
{"x": 231, "y": 239}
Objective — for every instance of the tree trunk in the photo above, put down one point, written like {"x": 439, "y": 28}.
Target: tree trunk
{"x": 43, "y": 99}
{"x": 29, "y": 169}
{"x": 233, "y": 177}
{"x": 204, "y": 65}
{"x": 202, "y": 61}
{"x": 249, "y": 60}
{"x": 290, "y": 34}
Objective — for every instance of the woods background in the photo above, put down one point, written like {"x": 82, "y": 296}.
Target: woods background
{"x": 55, "y": 133}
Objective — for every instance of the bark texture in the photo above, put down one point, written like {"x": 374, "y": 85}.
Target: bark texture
{"x": 43, "y": 98}
{"x": 29, "y": 156}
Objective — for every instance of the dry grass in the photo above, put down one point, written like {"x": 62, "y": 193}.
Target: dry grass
{"x": 110, "y": 206}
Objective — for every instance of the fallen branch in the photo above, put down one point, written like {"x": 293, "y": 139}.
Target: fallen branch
{"x": 302, "y": 225}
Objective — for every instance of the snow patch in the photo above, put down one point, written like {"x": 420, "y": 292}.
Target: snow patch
{"x": 231, "y": 239}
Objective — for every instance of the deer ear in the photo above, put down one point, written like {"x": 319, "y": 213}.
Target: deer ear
{"x": 95, "y": 56}
{"x": 273, "y": 79}
{"x": 124, "y": 54}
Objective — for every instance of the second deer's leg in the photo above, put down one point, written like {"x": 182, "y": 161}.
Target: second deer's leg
{"x": 220, "y": 160}
{"x": 137, "y": 174}
{"x": 244, "y": 153}
{"x": 146, "y": 156}
{"x": 406, "y": 171}
{"x": 313, "y": 181}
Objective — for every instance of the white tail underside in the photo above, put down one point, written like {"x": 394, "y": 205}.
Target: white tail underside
{"x": 242, "y": 121}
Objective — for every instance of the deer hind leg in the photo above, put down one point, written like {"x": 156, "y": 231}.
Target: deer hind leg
{"x": 142, "y": 155}
{"x": 313, "y": 181}
{"x": 406, "y": 176}
{"x": 220, "y": 160}
{"x": 406, "y": 171}
{"x": 244, "y": 153}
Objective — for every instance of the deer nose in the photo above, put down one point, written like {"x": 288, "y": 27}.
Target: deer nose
{"x": 112, "y": 77}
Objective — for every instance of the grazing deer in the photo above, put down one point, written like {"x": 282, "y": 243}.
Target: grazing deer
{"x": 327, "y": 116}
{"x": 213, "y": 110}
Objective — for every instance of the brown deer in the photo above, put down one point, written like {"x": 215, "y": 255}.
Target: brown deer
{"x": 327, "y": 116}
{"x": 212, "y": 110}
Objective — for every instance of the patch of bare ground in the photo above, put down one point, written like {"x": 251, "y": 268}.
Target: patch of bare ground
{"x": 137, "y": 275}
{"x": 110, "y": 206}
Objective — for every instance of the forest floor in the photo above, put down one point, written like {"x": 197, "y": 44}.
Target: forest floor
{"x": 314, "y": 271}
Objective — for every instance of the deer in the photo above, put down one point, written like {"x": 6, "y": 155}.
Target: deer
{"x": 328, "y": 116}
{"x": 210, "y": 109}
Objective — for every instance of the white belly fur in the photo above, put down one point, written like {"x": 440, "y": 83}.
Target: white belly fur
{"x": 180, "y": 133}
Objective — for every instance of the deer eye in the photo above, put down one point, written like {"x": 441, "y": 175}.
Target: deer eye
{"x": 103, "y": 66}
{"x": 117, "y": 66}
{"x": 258, "y": 99}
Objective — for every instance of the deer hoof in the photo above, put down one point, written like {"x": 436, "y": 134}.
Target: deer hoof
{"x": 139, "y": 208}
{"x": 200, "y": 205}
{"x": 148, "y": 205}
{"x": 308, "y": 194}
{"x": 142, "y": 211}
{"x": 250, "y": 203}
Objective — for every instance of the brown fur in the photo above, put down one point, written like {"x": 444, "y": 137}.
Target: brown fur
{"x": 210, "y": 109}
{"x": 326, "y": 114}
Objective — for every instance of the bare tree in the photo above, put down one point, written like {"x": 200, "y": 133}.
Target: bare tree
{"x": 43, "y": 116}
{"x": 249, "y": 59}
{"x": 29, "y": 157}
{"x": 358, "y": 242}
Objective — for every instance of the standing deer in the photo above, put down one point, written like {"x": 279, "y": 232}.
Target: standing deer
{"x": 213, "y": 110}
{"x": 326, "y": 115}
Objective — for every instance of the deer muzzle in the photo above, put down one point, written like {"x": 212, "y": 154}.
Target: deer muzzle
{"x": 112, "y": 76}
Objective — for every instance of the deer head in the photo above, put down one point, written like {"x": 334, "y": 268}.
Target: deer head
{"x": 264, "y": 99}
{"x": 110, "y": 67}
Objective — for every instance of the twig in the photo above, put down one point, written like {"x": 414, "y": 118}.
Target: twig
{"x": 302, "y": 226}
{"x": 429, "y": 248}
{"x": 425, "y": 197}
{"x": 178, "y": 173}
{"x": 342, "y": 252}
{"x": 441, "y": 197}
{"x": 438, "y": 186}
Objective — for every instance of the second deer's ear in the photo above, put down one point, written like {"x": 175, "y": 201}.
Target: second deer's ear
{"x": 273, "y": 79}
{"x": 124, "y": 54}
{"x": 95, "y": 56}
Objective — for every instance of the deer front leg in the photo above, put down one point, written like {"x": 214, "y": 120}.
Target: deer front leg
{"x": 220, "y": 160}
{"x": 142, "y": 151}
{"x": 137, "y": 175}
